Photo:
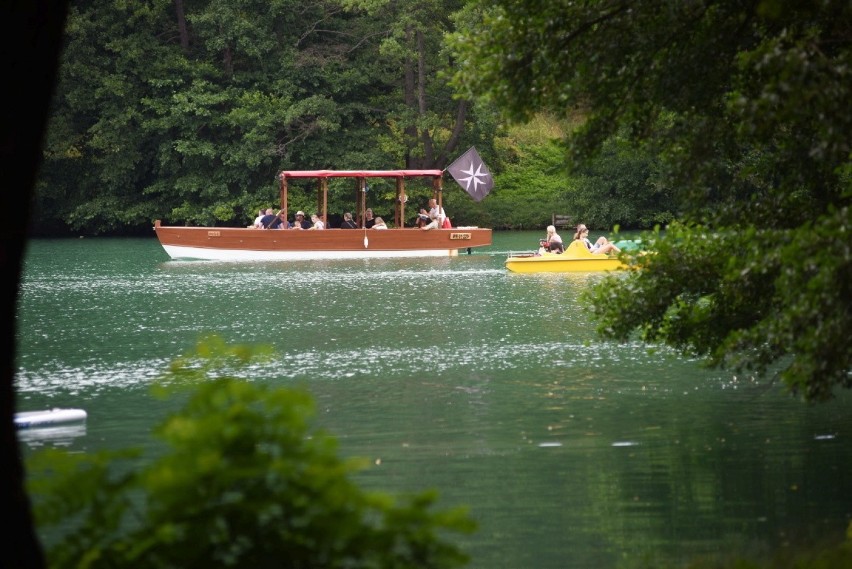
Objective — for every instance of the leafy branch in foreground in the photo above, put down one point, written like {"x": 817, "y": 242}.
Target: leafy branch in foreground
{"x": 247, "y": 481}
{"x": 734, "y": 298}
{"x": 745, "y": 107}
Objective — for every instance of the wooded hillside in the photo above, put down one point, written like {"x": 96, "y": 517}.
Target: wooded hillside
{"x": 186, "y": 111}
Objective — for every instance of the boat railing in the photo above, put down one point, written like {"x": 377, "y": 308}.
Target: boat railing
{"x": 521, "y": 254}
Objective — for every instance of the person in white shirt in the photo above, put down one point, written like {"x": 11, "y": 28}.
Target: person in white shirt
{"x": 436, "y": 214}
{"x": 380, "y": 224}
{"x": 257, "y": 223}
{"x": 318, "y": 224}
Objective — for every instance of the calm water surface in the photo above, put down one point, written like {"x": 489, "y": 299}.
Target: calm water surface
{"x": 457, "y": 375}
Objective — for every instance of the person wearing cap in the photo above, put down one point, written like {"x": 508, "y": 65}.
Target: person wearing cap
{"x": 300, "y": 222}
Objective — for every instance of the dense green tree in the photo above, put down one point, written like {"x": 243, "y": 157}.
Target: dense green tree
{"x": 746, "y": 105}
{"x": 187, "y": 110}
{"x": 620, "y": 187}
{"x": 427, "y": 123}
{"x": 530, "y": 188}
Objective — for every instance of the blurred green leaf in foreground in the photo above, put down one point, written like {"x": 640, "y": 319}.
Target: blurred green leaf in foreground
{"x": 245, "y": 481}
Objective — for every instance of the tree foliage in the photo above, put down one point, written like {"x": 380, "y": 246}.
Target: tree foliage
{"x": 620, "y": 186}
{"x": 246, "y": 480}
{"x": 745, "y": 105}
{"x": 186, "y": 111}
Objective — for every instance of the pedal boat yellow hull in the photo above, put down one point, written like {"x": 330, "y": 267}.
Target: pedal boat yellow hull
{"x": 576, "y": 258}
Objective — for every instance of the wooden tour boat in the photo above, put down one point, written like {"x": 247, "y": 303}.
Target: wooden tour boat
{"x": 576, "y": 258}
{"x": 250, "y": 244}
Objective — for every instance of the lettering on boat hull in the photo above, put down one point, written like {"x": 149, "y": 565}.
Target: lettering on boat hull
{"x": 459, "y": 236}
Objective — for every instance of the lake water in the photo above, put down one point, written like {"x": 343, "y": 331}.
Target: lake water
{"x": 457, "y": 375}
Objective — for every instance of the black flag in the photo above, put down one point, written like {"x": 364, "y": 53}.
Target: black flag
{"x": 472, "y": 174}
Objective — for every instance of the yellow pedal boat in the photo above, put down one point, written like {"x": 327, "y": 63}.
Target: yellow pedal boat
{"x": 576, "y": 258}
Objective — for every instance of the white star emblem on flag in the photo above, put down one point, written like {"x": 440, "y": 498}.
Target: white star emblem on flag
{"x": 476, "y": 179}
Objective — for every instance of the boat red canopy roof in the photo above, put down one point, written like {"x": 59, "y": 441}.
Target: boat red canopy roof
{"x": 359, "y": 173}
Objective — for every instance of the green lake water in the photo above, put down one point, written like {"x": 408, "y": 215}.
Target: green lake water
{"x": 453, "y": 374}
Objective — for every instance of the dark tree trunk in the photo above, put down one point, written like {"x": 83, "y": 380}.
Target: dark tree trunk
{"x": 410, "y": 103}
{"x": 31, "y": 37}
{"x": 228, "y": 61}
{"x": 181, "y": 21}
{"x": 426, "y": 137}
{"x": 452, "y": 143}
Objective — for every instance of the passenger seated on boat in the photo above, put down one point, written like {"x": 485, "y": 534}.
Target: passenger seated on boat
{"x": 280, "y": 221}
{"x": 380, "y": 224}
{"x": 601, "y": 246}
{"x": 369, "y": 220}
{"x": 437, "y": 215}
{"x": 268, "y": 217}
{"x": 318, "y": 223}
{"x": 257, "y": 224}
{"x": 553, "y": 241}
{"x": 300, "y": 222}
{"x": 422, "y": 218}
{"x": 347, "y": 222}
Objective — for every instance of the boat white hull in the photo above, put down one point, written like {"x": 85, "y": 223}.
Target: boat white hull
{"x": 209, "y": 254}
{"x": 48, "y": 418}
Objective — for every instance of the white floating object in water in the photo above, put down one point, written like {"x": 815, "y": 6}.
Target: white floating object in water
{"x": 546, "y": 445}
{"x": 625, "y": 444}
{"x": 48, "y": 417}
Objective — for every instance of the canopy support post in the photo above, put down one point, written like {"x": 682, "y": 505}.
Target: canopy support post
{"x": 401, "y": 198}
{"x": 282, "y": 191}
{"x": 361, "y": 188}
{"x": 438, "y": 190}
{"x": 322, "y": 201}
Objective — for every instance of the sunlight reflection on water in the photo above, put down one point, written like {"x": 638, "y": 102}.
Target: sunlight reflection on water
{"x": 455, "y": 374}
